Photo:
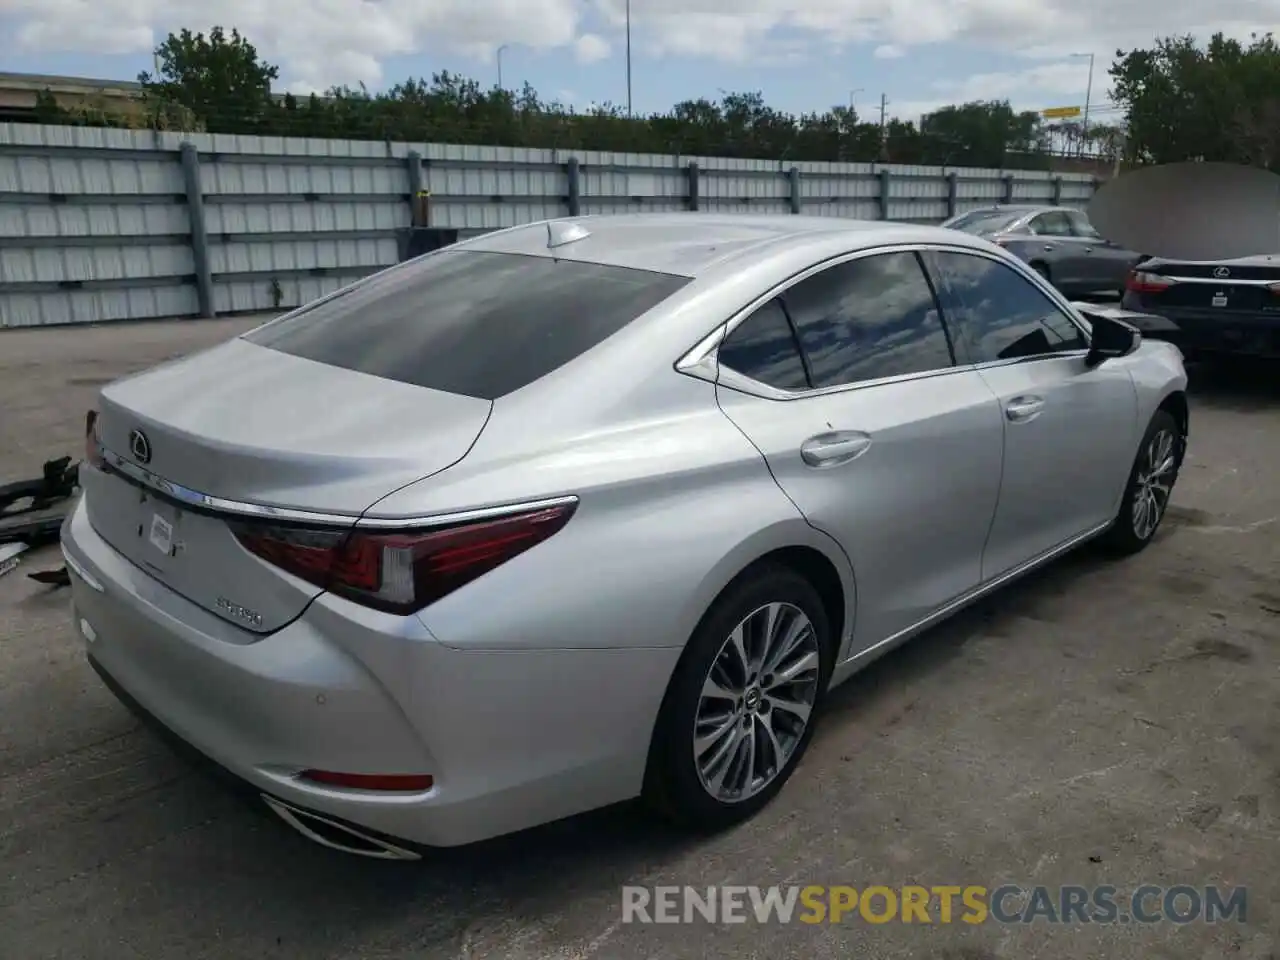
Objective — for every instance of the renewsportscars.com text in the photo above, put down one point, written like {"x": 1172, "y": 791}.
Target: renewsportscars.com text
{"x": 972, "y": 904}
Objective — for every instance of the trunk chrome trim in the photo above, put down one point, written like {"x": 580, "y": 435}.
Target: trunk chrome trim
{"x": 198, "y": 502}
{"x": 76, "y": 567}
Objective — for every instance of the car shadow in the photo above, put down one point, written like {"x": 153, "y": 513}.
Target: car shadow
{"x": 1235, "y": 384}
{"x": 311, "y": 900}
{"x": 1032, "y": 596}
{"x": 540, "y": 869}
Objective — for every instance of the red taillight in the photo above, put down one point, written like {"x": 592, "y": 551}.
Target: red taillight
{"x": 386, "y": 782}
{"x": 1139, "y": 281}
{"x": 92, "y": 446}
{"x": 401, "y": 572}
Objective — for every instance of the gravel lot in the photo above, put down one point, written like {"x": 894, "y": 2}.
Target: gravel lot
{"x": 1100, "y": 723}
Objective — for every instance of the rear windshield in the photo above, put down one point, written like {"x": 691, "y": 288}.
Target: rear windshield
{"x": 986, "y": 221}
{"x": 469, "y": 322}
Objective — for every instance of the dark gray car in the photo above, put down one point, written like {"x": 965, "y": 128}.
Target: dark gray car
{"x": 1058, "y": 243}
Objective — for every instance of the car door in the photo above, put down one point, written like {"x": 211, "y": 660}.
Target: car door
{"x": 1057, "y": 246}
{"x": 1106, "y": 264}
{"x": 1070, "y": 428}
{"x": 846, "y": 382}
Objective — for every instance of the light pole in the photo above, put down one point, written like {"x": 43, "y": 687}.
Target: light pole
{"x": 1088, "y": 95}
{"x": 628, "y": 59}
{"x": 500, "y": 49}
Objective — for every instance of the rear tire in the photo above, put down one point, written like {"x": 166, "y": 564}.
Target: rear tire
{"x": 718, "y": 710}
{"x": 1151, "y": 482}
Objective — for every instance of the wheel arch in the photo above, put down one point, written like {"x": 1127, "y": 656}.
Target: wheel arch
{"x": 1176, "y": 405}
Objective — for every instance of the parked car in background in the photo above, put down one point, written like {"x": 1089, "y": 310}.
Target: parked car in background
{"x": 1058, "y": 243}
{"x": 586, "y": 517}
{"x": 1227, "y": 307}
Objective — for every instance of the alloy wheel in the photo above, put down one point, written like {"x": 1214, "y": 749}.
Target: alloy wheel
{"x": 756, "y": 702}
{"x": 1153, "y": 484}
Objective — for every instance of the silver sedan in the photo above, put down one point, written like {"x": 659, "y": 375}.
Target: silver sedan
{"x": 592, "y": 509}
{"x": 1058, "y": 243}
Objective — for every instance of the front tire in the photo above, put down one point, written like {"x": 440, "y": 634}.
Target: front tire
{"x": 1151, "y": 482}
{"x": 742, "y": 705}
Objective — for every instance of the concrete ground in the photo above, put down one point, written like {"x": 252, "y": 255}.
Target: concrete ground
{"x": 1102, "y": 723}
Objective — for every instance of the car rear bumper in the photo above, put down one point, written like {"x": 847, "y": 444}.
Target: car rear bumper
{"x": 1209, "y": 331}
{"x": 511, "y": 739}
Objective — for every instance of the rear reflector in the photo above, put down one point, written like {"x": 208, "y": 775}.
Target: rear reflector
{"x": 404, "y": 571}
{"x": 385, "y": 782}
{"x": 92, "y": 446}
{"x": 1139, "y": 281}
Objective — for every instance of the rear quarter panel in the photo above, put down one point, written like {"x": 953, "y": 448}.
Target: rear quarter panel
{"x": 673, "y": 505}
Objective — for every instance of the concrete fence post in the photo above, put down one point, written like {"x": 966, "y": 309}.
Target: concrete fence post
{"x": 692, "y": 172}
{"x": 953, "y": 194}
{"x": 885, "y": 179}
{"x": 199, "y": 234}
{"x": 1008, "y": 188}
{"x": 1057, "y": 191}
{"x": 793, "y": 176}
{"x": 573, "y": 172}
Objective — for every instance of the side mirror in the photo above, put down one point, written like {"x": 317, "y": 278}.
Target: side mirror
{"x": 1111, "y": 338}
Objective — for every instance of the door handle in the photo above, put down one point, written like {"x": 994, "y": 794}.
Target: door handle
{"x": 1088, "y": 249}
{"x": 833, "y": 449}
{"x": 1048, "y": 247}
{"x": 1022, "y": 409}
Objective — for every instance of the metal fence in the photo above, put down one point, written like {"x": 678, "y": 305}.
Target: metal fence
{"x": 99, "y": 224}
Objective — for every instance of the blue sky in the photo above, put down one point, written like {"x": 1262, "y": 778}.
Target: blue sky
{"x": 802, "y": 54}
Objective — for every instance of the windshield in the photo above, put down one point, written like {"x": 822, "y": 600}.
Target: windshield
{"x": 986, "y": 221}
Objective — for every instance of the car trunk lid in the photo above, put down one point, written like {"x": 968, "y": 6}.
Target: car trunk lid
{"x": 1231, "y": 286}
{"x": 243, "y": 424}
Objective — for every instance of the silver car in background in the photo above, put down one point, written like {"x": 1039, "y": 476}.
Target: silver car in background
{"x": 1058, "y": 243}
{"x": 592, "y": 509}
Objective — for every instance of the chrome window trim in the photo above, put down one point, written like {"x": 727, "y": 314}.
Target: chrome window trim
{"x": 701, "y": 361}
{"x": 198, "y": 502}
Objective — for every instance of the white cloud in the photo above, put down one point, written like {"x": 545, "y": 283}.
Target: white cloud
{"x": 318, "y": 43}
{"x": 591, "y": 47}
{"x": 889, "y": 51}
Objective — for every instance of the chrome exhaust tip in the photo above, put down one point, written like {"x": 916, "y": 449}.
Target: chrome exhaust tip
{"x": 335, "y": 835}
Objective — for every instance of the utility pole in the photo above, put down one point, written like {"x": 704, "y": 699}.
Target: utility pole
{"x": 1088, "y": 95}
{"x": 628, "y": 59}
{"x": 884, "y": 143}
{"x": 500, "y": 49}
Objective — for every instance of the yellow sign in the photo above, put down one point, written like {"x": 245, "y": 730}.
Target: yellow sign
{"x": 1060, "y": 113}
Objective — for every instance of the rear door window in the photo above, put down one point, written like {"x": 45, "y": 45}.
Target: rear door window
{"x": 869, "y": 318}
{"x": 470, "y": 322}
{"x": 986, "y": 221}
{"x": 763, "y": 347}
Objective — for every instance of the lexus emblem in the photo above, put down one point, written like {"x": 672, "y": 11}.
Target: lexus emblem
{"x": 1222, "y": 273}
{"x": 139, "y": 446}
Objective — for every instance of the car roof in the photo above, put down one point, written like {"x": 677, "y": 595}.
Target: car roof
{"x": 698, "y": 244}
{"x": 1021, "y": 209}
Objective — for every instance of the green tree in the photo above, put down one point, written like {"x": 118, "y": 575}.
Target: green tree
{"x": 219, "y": 83}
{"x": 1183, "y": 101}
{"x": 219, "y": 78}
{"x": 981, "y": 134}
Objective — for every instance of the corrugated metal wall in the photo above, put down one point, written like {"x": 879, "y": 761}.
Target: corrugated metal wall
{"x": 97, "y": 224}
